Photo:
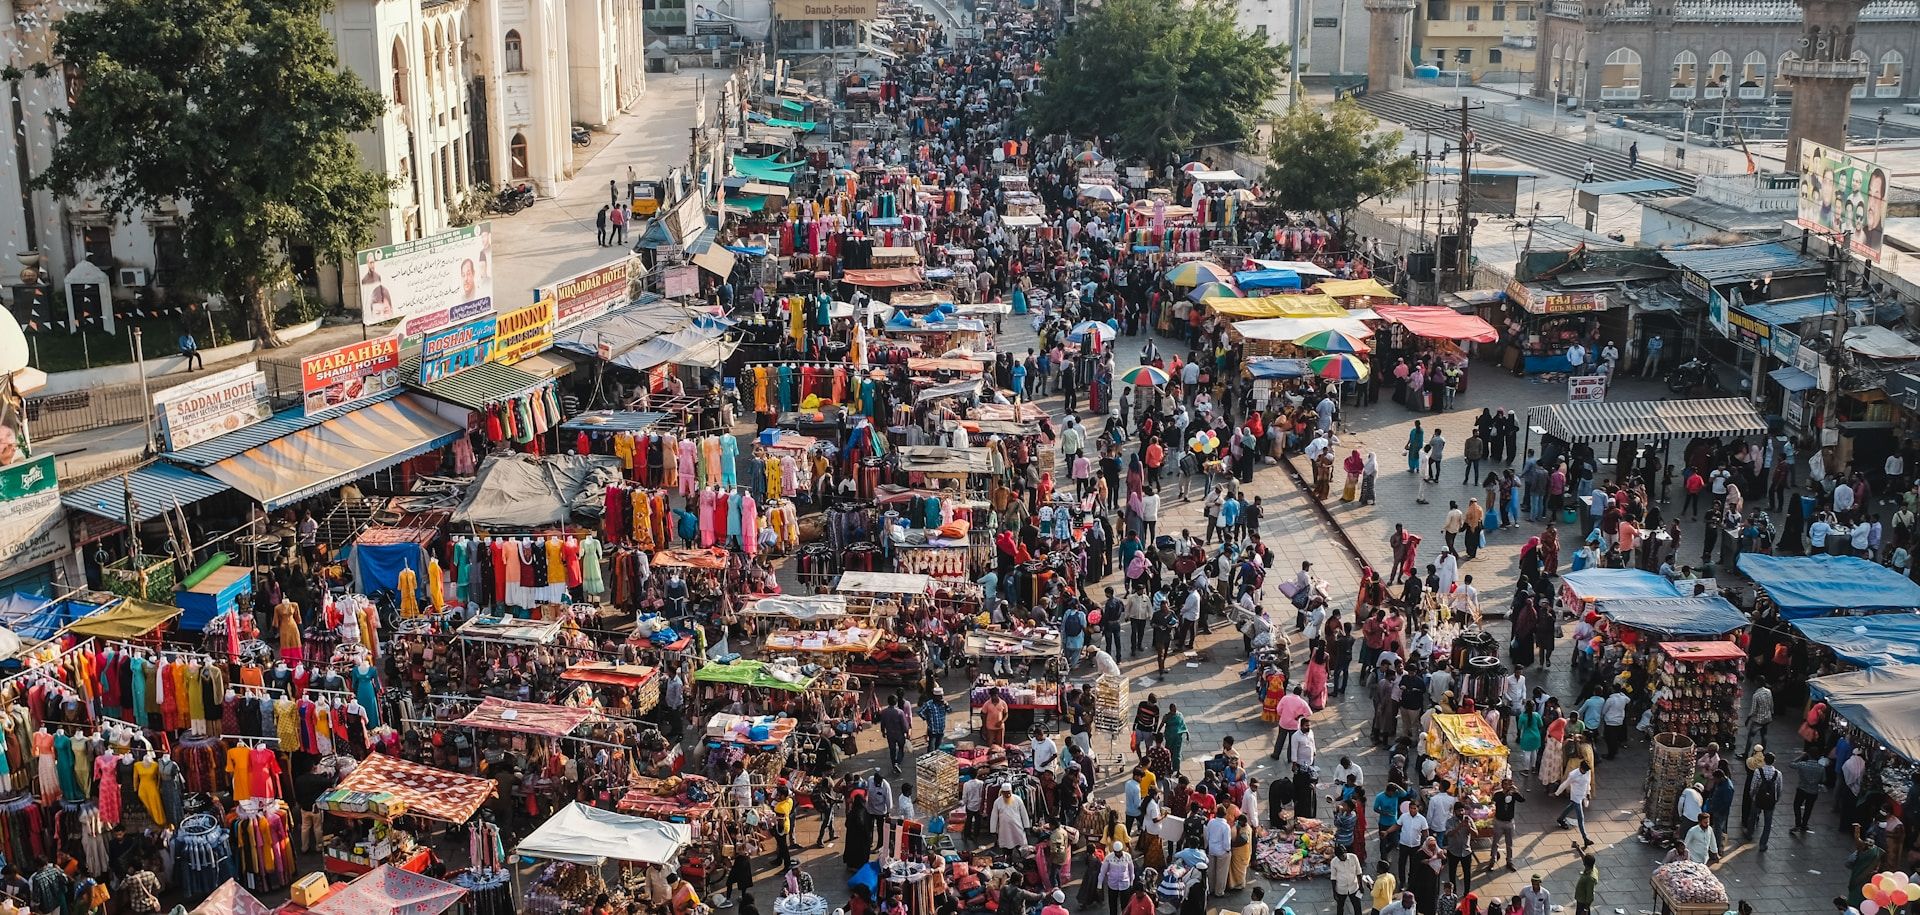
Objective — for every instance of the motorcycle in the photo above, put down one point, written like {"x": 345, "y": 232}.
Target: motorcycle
{"x": 1693, "y": 373}
{"x": 514, "y": 199}
{"x": 582, "y": 136}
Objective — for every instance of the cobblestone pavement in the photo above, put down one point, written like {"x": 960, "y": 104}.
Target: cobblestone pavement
{"x": 1796, "y": 875}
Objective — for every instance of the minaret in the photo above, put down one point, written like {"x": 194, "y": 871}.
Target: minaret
{"x": 1823, "y": 76}
{"x": 1387, "y": 44}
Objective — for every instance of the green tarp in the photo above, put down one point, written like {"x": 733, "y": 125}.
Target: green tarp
{"x": 752, "y": 203}
{"x": 761, "y": 173}
{"x": 747, "y": 673}
{"x": 768, "y": 162}
{"x": 792, "y": 105}
{"x": 802, "y": 126}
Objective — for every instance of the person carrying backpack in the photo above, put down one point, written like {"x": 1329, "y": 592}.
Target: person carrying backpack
{"x": 1762, "y": 795}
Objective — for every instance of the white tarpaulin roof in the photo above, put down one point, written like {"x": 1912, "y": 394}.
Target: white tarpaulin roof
{"x": 804, "y": 607}
{"x": 883, "y": 583}
{"x": 1876, "y": 342}
{"x": 1295, "y": 328}
{"x": 1304, "y": 268}
{"x": 589, "y": 835}
{"x": 1216, "y": 175}
{"x": 1022, "y": 222}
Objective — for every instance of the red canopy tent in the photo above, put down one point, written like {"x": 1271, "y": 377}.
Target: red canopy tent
{"x": 231, "y": 898}
{"x": 609, "y": 673}
{"x": 1439, "y": 322}
{"x": 496, "y": 714}
{"x": 433, "y": 793}
{"x": 388, "y": 890}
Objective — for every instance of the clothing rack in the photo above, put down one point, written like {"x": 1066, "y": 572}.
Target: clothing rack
{"x": 78, "y": 648}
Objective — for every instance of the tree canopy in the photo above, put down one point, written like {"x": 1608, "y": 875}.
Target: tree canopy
{"x": 1330, "y": 160}
{"x": 1157, "y": 77}
{"x": 237, "y": 109}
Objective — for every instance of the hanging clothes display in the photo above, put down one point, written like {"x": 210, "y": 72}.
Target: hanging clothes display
{"x": 263, "y": 845}
{"x": 202, "y": 856}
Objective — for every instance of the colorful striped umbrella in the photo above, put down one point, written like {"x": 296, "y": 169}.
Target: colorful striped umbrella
{"x": 1103, "y": 331}
{"x": 1214, "y": 291}
{"x": 1145, "y": 376}
{"x": 1339, "y": 366}
{"x": 1194, "y": 273}
{"x": 1334, "y": 341}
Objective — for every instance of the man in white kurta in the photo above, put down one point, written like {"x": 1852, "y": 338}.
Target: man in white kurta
{"x": 1009, "y": 820}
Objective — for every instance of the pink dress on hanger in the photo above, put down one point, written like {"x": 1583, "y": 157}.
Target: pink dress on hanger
{"x": 106, "y": 771}
{"x": 706, "y": 517}
{"x": 689, "y": 482}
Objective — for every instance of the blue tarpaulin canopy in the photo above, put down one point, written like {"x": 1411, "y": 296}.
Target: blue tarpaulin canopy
{"x": 1804, "y": 586}
{"x": 1276, "y": 367}
{"x": 1866, "y": 641}
{"x": 1878, "y": 700}
{"x": 1672, "y": 617}
{"x": 36, "y": 619}
{"x": 1617, "y": 584}
{"x": 1249, "y": 280}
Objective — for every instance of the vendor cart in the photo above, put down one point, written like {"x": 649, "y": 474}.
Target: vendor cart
{"x": 1474, "y": 759}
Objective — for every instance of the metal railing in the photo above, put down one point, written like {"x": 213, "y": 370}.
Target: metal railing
{"x": 80, "y": 411}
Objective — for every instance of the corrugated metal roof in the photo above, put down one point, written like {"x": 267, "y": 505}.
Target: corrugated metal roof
{"x": 342, "y": 449}
{"x": 476, "y": 387}
{"x": 279, "y": 425}
{"x": 1725, "y": 263}
{"x": 626, "y": 327}
{"x": 156, "y": 487}
{"x": 1785, "y": 312}
{"x": 1650, "y": 420}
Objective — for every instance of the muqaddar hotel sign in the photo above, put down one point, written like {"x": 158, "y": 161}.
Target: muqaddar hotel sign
{"x": 803, "y": 10}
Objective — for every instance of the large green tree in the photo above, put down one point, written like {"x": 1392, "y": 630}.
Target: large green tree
{"x": 1330, "y": 160}
{"x": 237, "y": 109}
{"x": 1157, "y": 78}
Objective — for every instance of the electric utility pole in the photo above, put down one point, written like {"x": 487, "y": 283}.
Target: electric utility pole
{"x": 1463, "y": 267}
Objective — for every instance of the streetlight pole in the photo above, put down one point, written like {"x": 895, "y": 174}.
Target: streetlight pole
{"x": 1686, "y": 124}
{"x": 146, "y": 398}
{"x": 1879, "y": 124}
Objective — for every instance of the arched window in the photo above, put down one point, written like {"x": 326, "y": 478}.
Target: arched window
{"x": 513, "y": 62}
{"x": 1782, "y": 83}
{"x": 517, "y": 154}
{"x": 399, "y": 72}
{"x": 1860, "y": 88}
{"x": 1753, "y": 76}
{"x": 1887, "y": 83}
{"x": 1620, "y": 76}
{"x": 1686, "y": 76}
{"x": 1719, "y": 70}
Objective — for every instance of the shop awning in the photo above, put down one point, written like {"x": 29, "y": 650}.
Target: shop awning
{"x": 388, "y": 890}
{"x": 510, "y": 630}
{"x": 885, "y": 278}
{"x": 547, "y": 364}
{"x": 1617, "y": 584}
{"x": 1876, "y": 342}
{"x": 716, "y": 259}
{"x": 335, "y": 452}
{"x": 1804, "y": 586}
{"x": 701, "y": 344}
{"x": 1793, "y": 380}
{"x": 939, "y": 459}
{"x": 1369, "y": 287}
{"x": 614, "y": 421}
{"x": 1249, "y": 280}
{"x": 883, "y": 583}
{"x": 1439, "y": 322}
{"x": 632, "y": 676}
{"x": 278, "y": 426}
{"x": 475, "y": 388}
{"x": 1269, "y": 367}
{"x": 1720, "y": 263}
{"x": 1878, "y": 700}
{"x": 157, "y": 487}
{"x": 1303, "y": 268}
{"x": 1670, "y": 617}
{"x": 1299, "y": 305}
{"x": 428, "y": 792}
{"x": 231, "y": 898}
{"x": 129, "y": 619}
{"x": 1650, "y": 420}
{"x": 1290, "y": 329}
{"x": 624, "y": 328}
{"x": 589, "y": 835}
{"x": 1866, "y": 641}
{"x": 524, "y": 491}
{"x": 497, "y": 714}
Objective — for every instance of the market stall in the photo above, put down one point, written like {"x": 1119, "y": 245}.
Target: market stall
{"x": 1581, "y": 591}
{"x": 1881, "y": 640}
{"x": 582, "y": 838}
{"x": 1808, "y": 586}
{"x": 1689, "y": 888}
{"x": 1874, "y": 709}
{"x": 1473, "y": 757}
{"x": 389, "y": 890}
{"x": 1700, "y": 685}
{"x": 382, "y": 790}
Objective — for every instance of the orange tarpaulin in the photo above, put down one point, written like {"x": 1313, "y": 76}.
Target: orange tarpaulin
{"x": 1438, "y": 322}
{"x": 428, "y": 792}
{"x": 496, "y": 714}
{"x": 712, "y": 558}
{"x": 891, "y": 276}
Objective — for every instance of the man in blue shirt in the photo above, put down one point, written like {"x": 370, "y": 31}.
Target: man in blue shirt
{"x": 1591, "y": 712}
{"x": 190, "y": 349}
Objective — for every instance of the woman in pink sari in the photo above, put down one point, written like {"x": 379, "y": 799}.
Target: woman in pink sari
{"x": 1316, "y": 680}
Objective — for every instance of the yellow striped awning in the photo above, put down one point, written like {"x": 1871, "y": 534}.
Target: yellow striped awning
{"x": 335, "y": 452}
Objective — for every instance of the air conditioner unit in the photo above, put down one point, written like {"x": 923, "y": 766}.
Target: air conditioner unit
{"x": 133, "y": 276}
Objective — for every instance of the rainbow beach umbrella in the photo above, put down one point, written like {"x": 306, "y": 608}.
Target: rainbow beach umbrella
{"x": 1195, "y": 273}
{"x": 1215, "y": 290}
{"x": 1145, "y": 376}
{"x": 1340, "y": 367}
{"x": 1334, "y": 341}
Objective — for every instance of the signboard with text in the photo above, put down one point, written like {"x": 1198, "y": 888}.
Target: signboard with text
{"x": 523, "y": 332}
{"x": 1586, "y": 388}
{"x": 1749, "y": 331}
{"x": 32, "y": 529}
{"x": 220, "y": 403}
{"x": 437, "y": 273}
{"x": 452, "y": 351}
{"x": 804, "y": 10}
{"x": 582, "y": 298}
{"x": 1786, "y": 345}
{"x": 1695, "y": 285}
{"x": 420, "y": 325}
{"x": 350, "y": 374}
{"x": 1540, "y": 301}
{"x": 681, "y": 282}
